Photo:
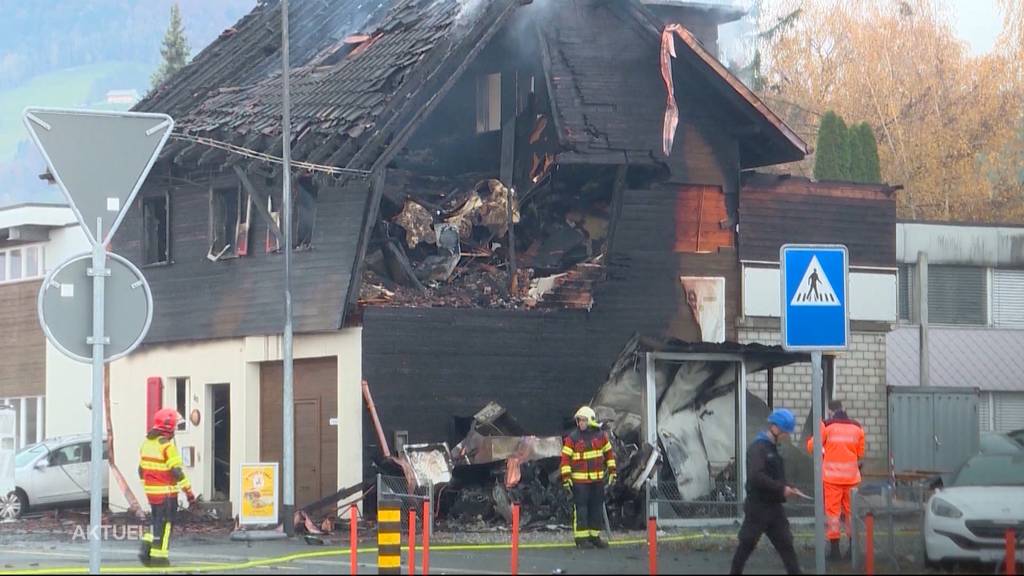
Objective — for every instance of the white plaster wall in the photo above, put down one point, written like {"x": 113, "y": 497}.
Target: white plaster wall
{"x": 68, "y": 382}
{"x": 235, "y": 362}
{"x": 212, "y": 362}
{"x": 872, "y": 294}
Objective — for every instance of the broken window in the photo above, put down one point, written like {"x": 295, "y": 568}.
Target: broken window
{"x": 305, "y": 214}
{"x": 224, "y": 217}
{"x": 156, "y": 239}
{"x": 242, "y": 229}
{"x": 273, "y": 243}
{"x": 488, "y": 103}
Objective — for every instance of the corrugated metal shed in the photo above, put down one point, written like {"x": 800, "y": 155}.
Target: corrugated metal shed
{"x": 986, "y": 358}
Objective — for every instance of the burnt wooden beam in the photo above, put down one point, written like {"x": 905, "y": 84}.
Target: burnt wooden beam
{"x": 373, "y": 195}
{"x": 261, "y": 201}
{"x": 545, "y": 61}
{"x": 618, "y": 191}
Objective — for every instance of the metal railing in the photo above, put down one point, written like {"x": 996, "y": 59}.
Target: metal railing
{"x": 898, "y": 512}
{"x": 411, "y": 497}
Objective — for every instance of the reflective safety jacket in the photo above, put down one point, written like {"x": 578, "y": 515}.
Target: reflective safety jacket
{"x": 586, "y": 455}
{"x": 842, "y": 441}
{"x": 160, "y": 469}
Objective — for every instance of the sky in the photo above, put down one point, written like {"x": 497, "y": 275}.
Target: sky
{"x": 978, "y": 22}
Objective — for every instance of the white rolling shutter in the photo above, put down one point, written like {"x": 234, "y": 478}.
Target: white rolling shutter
{"x": 958, "y": 295}
{"x": 1008, "y": 297}
{"x": 1009, "y": 409}
{"x": 984, "y": 424}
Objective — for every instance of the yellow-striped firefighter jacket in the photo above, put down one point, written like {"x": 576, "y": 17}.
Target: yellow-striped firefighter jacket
{"x": 586, "y": 455}
{"x": 160, "y": 469}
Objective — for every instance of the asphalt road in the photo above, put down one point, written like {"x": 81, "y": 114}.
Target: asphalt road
{"x": 282, "y": 557}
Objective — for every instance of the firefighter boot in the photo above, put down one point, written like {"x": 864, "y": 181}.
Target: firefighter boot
{"x": 144, "y": 549}
{"x": 584, "y": 543}
{"x": 599, "y": 542}
{"x": 834, "y": 554}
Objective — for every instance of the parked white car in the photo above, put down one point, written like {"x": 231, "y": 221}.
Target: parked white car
{"x": 54, "y": 472}
{"x": 967, "y": 519}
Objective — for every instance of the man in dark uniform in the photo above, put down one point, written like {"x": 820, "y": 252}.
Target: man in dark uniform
{"x": 766, "y": 492}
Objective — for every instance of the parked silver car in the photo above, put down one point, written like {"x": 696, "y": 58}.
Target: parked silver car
{"x": 54, "y": 472}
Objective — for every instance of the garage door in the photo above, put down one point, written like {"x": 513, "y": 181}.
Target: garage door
{"x": 316, "y": 441}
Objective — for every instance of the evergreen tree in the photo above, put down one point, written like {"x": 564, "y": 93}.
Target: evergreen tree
{"x": 871, "y": 171}
{"x": 175, "y": 49}
{"x": 858, "y": 153}
{"x": 832, "y": 152}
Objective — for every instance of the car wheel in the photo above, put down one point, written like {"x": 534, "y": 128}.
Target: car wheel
{"x": 13, "y": 505}
{"x": 928, "y": 562}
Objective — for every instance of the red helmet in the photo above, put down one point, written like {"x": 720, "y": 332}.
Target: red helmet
{"x": 165, "y": 420}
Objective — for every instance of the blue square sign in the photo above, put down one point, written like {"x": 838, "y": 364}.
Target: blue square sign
{"x": 815, "y": 309}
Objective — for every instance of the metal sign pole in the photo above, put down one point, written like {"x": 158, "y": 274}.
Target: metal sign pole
{"x": 819, "y": 489}
{"x": 99, "y": 272}
{"x": 288, "y": 417}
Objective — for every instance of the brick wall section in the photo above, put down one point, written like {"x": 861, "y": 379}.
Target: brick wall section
{"x": 860, "y": 384}
{"x": 22, "y": 343}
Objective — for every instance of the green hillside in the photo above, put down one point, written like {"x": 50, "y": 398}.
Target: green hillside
{"x": 85, "y": 86}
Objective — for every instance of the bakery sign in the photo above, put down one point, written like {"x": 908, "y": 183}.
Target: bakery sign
{"x": 259, "y": 493}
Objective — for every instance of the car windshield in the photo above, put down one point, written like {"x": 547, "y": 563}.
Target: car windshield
{"x": 28, "y": 455}
{"x": 998, "y": 444}
{"x": 992, "y": 470}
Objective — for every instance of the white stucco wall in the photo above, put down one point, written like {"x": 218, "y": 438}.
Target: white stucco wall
{"x": 872, "y": 294}
{"x": 235, "y": 362}
{"x": 68, "y": 382}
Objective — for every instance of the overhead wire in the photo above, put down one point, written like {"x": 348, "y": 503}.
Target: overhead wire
{"x": 263, "y": 156}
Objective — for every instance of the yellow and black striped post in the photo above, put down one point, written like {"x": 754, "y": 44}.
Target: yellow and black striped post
{"x": 389, "y": 537}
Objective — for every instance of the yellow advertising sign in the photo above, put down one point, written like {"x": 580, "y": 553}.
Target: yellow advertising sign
{"x": 259, "y": 494}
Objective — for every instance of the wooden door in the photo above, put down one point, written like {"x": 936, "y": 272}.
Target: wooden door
{"x": 307, "y": 452}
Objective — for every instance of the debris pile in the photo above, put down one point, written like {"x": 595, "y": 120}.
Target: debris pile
{"x": 471, "y": 240}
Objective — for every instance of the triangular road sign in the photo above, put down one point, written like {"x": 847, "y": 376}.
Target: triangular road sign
{"x": 99, "y": 159}
{"x": 815, "y": 289}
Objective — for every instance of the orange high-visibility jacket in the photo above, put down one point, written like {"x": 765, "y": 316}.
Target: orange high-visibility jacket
{"x": 160, "y": 469}
{"x": 585, "y": 455}
{"x": 842, "y": 441}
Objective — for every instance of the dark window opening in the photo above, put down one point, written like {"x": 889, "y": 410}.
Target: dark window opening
{"x": 156, "y": 229}
{"x": 224, "y": 217}
{"x": 305, "y": 214}
{"x": 181, "y": 400}
{"x": 488, "y": 103}
{"x": 273, "y": 243}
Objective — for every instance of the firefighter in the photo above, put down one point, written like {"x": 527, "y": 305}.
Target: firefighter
{"x": 767, "y": 490}
{"x": 586, "y": 455}
{"x": 842, "y": 443}
{"x": 162, "y": 478}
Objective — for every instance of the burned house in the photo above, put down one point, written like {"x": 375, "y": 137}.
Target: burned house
{"x": 491, "y": 198}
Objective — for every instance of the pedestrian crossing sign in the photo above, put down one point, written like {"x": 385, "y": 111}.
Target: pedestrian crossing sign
{"x": 815, "y": 311}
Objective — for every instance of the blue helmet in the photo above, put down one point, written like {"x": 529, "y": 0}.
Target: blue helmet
{"x": 784, "y": 419}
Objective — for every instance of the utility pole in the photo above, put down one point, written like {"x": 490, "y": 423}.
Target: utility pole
{"x": 288, "y": 408}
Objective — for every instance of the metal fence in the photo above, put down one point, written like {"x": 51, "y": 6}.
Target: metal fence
{"x": 412, "y": 497}
{"x": 898, "y": 512}
{"x": 721, "y": 505}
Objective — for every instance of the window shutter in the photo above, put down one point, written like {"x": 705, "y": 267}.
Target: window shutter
{"x": 983, "y": 411}
{"x": 1009, "y": 409}
{"x": 906, "y": 291}
{"x": 957, "y": 295}
{"x": 1008, "y": 297}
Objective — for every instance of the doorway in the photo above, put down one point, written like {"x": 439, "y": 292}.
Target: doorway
{"x": 220, "y": 422}
{"x": 316, "y": 440}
